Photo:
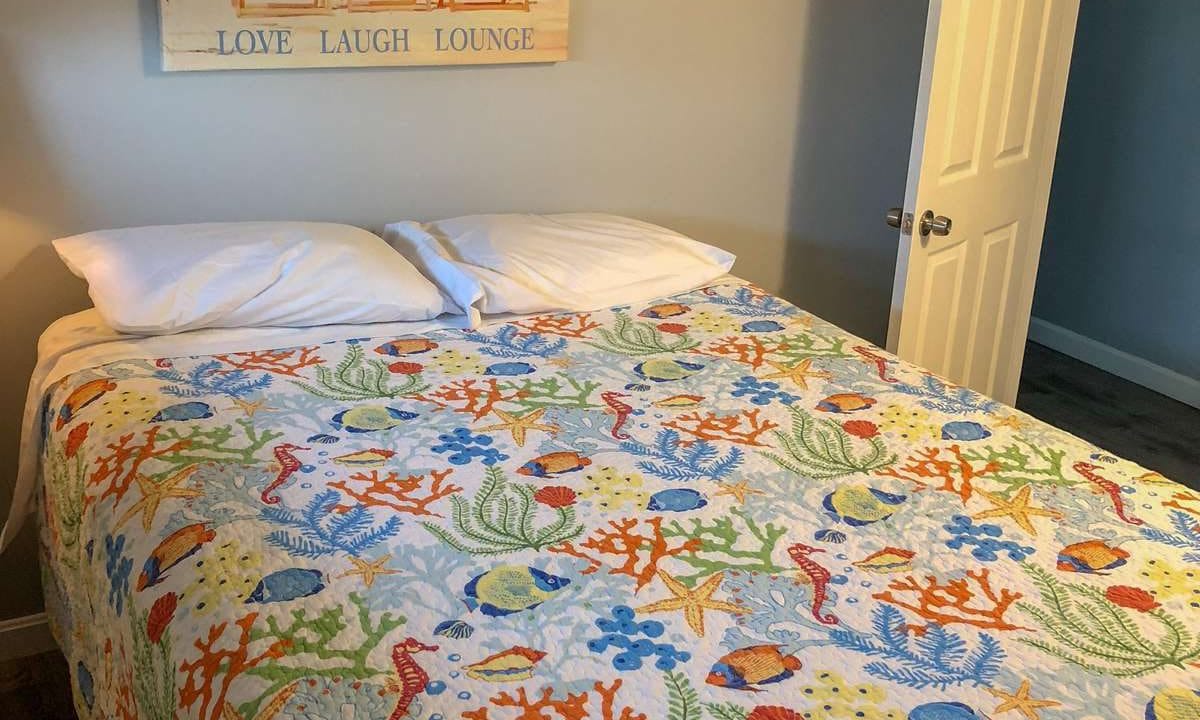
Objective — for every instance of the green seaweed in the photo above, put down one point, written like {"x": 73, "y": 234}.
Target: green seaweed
{"x": 500, "y": 519}
{"x": 822, "y": 449}
{"x": 356, "y": 378}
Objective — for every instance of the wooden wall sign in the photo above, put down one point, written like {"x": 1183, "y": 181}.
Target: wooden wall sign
{"x": 245, "y": 34}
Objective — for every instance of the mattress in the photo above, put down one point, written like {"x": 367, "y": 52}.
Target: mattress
{"x": 713, "y": 505}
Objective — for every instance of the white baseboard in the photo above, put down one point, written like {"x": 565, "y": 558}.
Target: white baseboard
{"x": 1118, "y": 362}
{"x": 24, "y": 636}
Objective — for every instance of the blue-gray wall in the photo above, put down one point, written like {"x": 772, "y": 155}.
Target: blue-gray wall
{"x": 1121, "y": 260}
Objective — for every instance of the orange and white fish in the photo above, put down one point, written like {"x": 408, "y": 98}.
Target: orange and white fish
{"x": 406, "y": 346}
{"x": 845, "y": 403}
{"x": 81, "y": 397}
{"x": 555, "y": 463}
{"x": 748, "y": 667}
{"x": 177, "y": 547}
{"x": 665, "y": 310}
{"x": 1091, "y": 557}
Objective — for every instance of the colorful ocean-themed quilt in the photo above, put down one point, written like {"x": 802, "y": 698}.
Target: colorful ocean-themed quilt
{"x": 709, "y": 507}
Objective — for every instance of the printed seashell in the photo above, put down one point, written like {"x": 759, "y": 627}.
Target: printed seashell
{"x": 374, "y": 457}
{"x": 512, "y": 665}
{"x": 679, "y": 401}
{"x": 323, "y": 439}
{"x": 773, "y": 712}
{"x": 830, "y": 536}
{"x": 161, "y": 614}
{"x": 887, "y": 560}
{"x": 456, "y": 629}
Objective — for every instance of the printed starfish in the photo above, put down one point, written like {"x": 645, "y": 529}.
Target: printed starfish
{"x": 1013, "y": 422}
{"x": 1018, "y": 509}
{"x": 799, "y": 373}
{"x": 738, "y": 490}
{"x": 154, "y": 493}
{"x": 370, "y": 569}
{"x": 250, "y": 406}
{"x": 518, "y": 425}
{"x": 693, "y": 603}
{"x": 1021, "y": 702}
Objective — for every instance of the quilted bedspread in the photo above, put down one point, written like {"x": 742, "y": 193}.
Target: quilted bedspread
{"x": 713, "y": 506}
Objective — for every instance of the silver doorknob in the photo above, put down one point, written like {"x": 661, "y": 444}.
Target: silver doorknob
{"x": 895, "y": 217}
{"x": 936, "y": 224}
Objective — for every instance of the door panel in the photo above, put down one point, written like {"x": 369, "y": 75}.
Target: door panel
{"x": 983, "y": 152}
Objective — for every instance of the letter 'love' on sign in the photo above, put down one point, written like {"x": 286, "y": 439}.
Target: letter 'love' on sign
{"x": 249, "y": 34}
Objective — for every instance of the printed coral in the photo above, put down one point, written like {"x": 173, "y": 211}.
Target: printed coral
{"x": 463, "y": 446}
{"x": 983, "y": 537}
{"x": 403, "y": 495}
{"x": 621, "y": 631}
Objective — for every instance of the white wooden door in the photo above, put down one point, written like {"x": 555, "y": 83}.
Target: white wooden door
{"x": 988, "y": 112}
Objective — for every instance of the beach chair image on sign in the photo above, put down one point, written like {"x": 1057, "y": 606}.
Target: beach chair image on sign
{"x": 270, "y": 8}
{"x": 253, "y": 9}
{"x": 430, "y": 5}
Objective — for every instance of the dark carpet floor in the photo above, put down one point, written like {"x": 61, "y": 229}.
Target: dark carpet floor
{"x": 1119, "y": 416}
{"x": 1125, "y": 419}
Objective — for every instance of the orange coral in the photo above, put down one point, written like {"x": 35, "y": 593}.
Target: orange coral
{"x": 745, "y": 349}
{"x": 124, "y": 463}
{"x": 229, "y": 664}
{"x": 1179, "y": 499}
{"x": 573, "y": 707}
{"x": 399, "y": 495}
{"x": 951, "y": 602}
{"x": 469, "y": 396}
{"x": 278, "y": 362}
{"x": 623, "y": 541}
{"x": 712, "y": 426}
{"x": 957, "y": 475}
{"x": 568, "y": 326}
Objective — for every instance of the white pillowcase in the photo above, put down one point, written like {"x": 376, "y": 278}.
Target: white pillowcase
{"x": 167, "y": 279}
{"x": 543, "y": 263}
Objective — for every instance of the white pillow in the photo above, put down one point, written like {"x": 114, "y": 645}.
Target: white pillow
{"x": 167, "y": 279}
{"x": 543, "y": 263}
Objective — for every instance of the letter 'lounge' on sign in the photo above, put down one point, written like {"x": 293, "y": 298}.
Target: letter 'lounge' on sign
{"x": 479, "y": 39}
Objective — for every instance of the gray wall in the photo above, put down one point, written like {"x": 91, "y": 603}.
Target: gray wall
{"x": 779, "y": 131}
{"x": 1121, "y": 259}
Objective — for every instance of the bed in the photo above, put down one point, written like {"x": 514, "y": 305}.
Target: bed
{"x": 711, "y": 505}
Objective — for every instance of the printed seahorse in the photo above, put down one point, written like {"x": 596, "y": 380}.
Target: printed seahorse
{"x": 288, "y": 465}
{"x": 1109, "y": 488}
{"x": 621, "y": 410}
{"x": 881, "y": 363}
{"x": 411, "y": 678}
{"x": 818, "y": 576}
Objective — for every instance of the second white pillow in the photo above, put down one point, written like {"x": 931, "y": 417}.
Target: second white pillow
{"x": 495, "y": 264}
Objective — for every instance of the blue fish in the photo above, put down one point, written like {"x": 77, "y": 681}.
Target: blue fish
{"x": 509, "y": 589}
{"x": 286, "y": 585}
{"x": 87, "y": 686}
{"x": 323, "y": 439}
{"x": 194, "y": 410}
{"x": 964, "y": 430}
{"x": 858, "y": 505}
{"x": 676, "y": 500}
{"x": 509, "y": 369}
{"x": 943, "y": 711}
{"x": 761, "y": 326}
{"x": 456, "y": 629}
